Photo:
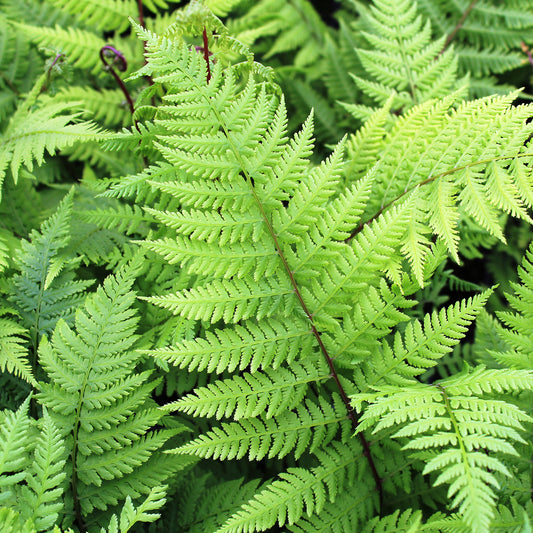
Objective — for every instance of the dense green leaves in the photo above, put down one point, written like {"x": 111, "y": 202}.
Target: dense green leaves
{"x": 229, "y": 312}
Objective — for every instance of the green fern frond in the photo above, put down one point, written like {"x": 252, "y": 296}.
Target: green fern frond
{"x": 453, "y": 428}
{"x": 350, "y": 509}
{"x": 293, "y": 27}
{"x": 50, "y": 127}
{"x": 221, "y": 8}
{"x": 406, "y": 522}
{"x": 106, "y": 106}
{"x": 251, "y": 394}
{"x": 406, "y": 64}
{"x": 99, "y": 401}
{"x": 46, "y": 290}
{"x": 479, "y": 170}
{"x": 309, "y": 426}
{"x": 423, "y": 344}
{"x": 15, "y": 442}
{"x": 13, "y": 350}
{"x": 300, "y": 492}
{"x": 207, "y": 506}
{"x": 16, "y": 66}
{"x": 488, "y": 38}
{"x": 42, "y": 498}
{"x": 131, "y": 515}
{"x": 250, "y": 344}
{"x": 81, "y": 47}
{"x": 104, "y": 15}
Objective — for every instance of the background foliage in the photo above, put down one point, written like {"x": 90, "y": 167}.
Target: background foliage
{"x": 265, "y": 266}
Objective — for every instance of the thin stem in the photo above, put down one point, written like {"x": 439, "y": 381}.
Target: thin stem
{"x": 9, "y": 83}
{"x": 206, "y": 54}
{"x": 425, "y": 182}
{"x": 350, "y": 411}
{"x": 458, "y": 26}
{"x": 120, "y": 61}
{"x": 141, "y": 16}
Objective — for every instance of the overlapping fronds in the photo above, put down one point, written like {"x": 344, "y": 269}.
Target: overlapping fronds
{"x": 32, "y": 487}
{"x": 517, "y": 336}
{"x": 487, "y": 36}
{"x": 13, "y": 349}
{"x": 81, "y": 47}
{"x": 299, "y": 492}
{"x": 296, "y": 26}
{"x": 472, "y": 160}
{"x": 105, "y": 15}
{"x": 47, "y": 128}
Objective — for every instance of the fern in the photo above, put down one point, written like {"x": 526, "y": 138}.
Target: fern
{"x": 404, "y": 62}
{"x": 456, "y": 429}
{"x": 105, "y": 15}
{"x": 97, "y": 399}
{"x": 39, "y": 499}
{"x": 46, "y": 289}
{"x": 487, "y": 36}
{"x": 13, "y": 352}
{"x": 280, "y": 341}
{"x": 49, "y": 128}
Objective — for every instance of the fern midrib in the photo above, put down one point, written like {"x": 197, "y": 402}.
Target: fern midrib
{"x": 34, "y": 331}
{"x": 464, "y": 453}
{"x": 403, "y": 54}
{"x": 426, "y": 181}
{"x": 329, "y": 360}
{"x": 369, "y": 324}
{"x": 77, "y": 422}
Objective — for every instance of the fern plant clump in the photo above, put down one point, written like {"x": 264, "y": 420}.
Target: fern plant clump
{"x": 217, "y": 317}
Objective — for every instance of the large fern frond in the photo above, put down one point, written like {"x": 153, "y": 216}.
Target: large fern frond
{"x": 50, "y": 127}
{"x": 404, "y": 62}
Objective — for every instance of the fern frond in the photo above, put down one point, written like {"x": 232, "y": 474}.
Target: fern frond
{"x": 406, "y": 64}
{"x": 510, "y": 341}
{"x": 106, "y": 106}
{"x": 104, "y": 15}
{"x": 13, "y": 350}
{"x": 42, "y": 498}
{"x": 251, "y": 394}
{"x": 81, "y": 47}
{"x": 455, "y": 428}
{"x": 423, "y": 344}
{"x": 308, "y": 426}
{"x": 300, "y": 491}
{"x": 46, "y": 289}
{"x": 15, "y": 442}
{"x": 131, "y": 515}
{"x": 252, "y": 344}
{"x": 99, "y": 401}
{"x": 48, "y": 128}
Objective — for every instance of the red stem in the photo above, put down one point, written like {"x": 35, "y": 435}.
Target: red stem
{"x": 206, "y": 54}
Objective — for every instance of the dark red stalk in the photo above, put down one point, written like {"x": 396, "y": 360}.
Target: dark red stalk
{"x": 206, "y": 54}
{"x": 120, "y": 61}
